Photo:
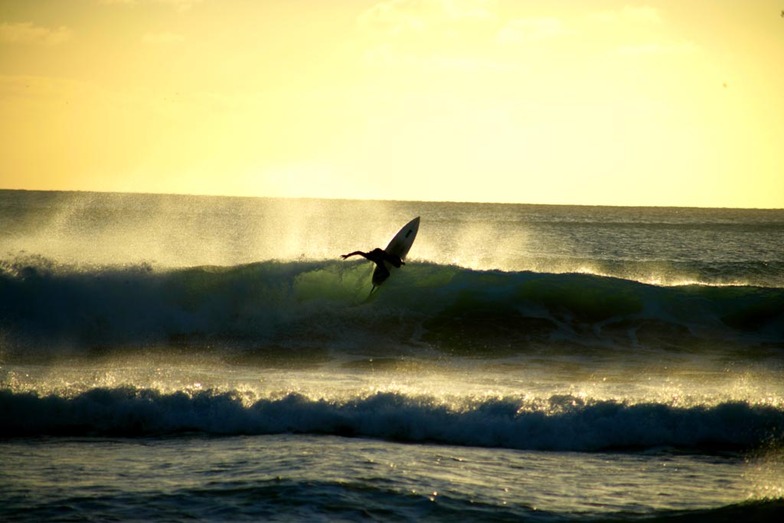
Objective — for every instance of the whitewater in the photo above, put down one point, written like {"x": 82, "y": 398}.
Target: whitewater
{"x": 178, "y": 357}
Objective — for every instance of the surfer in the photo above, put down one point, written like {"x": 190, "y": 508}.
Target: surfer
{"x": 378, "y": 256}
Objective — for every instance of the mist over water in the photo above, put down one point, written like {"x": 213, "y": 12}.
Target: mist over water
{"x": 652, "y": 245}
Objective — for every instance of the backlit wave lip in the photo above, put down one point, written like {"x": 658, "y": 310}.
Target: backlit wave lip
{"x": 561, "y": 422}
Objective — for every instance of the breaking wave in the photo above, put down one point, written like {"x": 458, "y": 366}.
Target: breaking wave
{"x": 46, "y": 309}
{"x": 560, "y": 422}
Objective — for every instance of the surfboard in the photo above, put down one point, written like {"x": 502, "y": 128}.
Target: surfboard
{"x": 398, "y": 246}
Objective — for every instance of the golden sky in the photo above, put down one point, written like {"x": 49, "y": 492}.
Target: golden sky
{"x": 579, "y": 102}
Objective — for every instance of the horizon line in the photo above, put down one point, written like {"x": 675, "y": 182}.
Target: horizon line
{"x": 390, "y": 200}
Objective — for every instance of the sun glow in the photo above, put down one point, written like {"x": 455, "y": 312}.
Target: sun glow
{"x": 421, "y": 99}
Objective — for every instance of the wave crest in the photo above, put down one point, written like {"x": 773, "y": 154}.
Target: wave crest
{"x": 321, "y": 304}
{"x": 563, "y": 423}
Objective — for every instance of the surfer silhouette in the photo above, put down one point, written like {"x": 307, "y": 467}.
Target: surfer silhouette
{"x": 378, "y": 256}
{"x": 393, "y": 255}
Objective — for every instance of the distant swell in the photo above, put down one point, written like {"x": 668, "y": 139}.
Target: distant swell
{"x": 45, "y": 309}
{"x": 564, "y": 423}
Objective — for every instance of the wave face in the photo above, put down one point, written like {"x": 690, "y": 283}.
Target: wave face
{"x": 46, "y": 309}
{"x": 559, "y": 423}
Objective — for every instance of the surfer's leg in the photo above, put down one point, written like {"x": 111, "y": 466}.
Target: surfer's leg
{"x": 380, "y": 274}
{"x": 372, "y": 293}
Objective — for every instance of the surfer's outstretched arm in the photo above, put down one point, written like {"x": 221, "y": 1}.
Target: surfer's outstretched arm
{"x": 355, "y": 253}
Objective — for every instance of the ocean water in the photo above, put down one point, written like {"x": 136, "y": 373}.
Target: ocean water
{"x": 181, "y": 357}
